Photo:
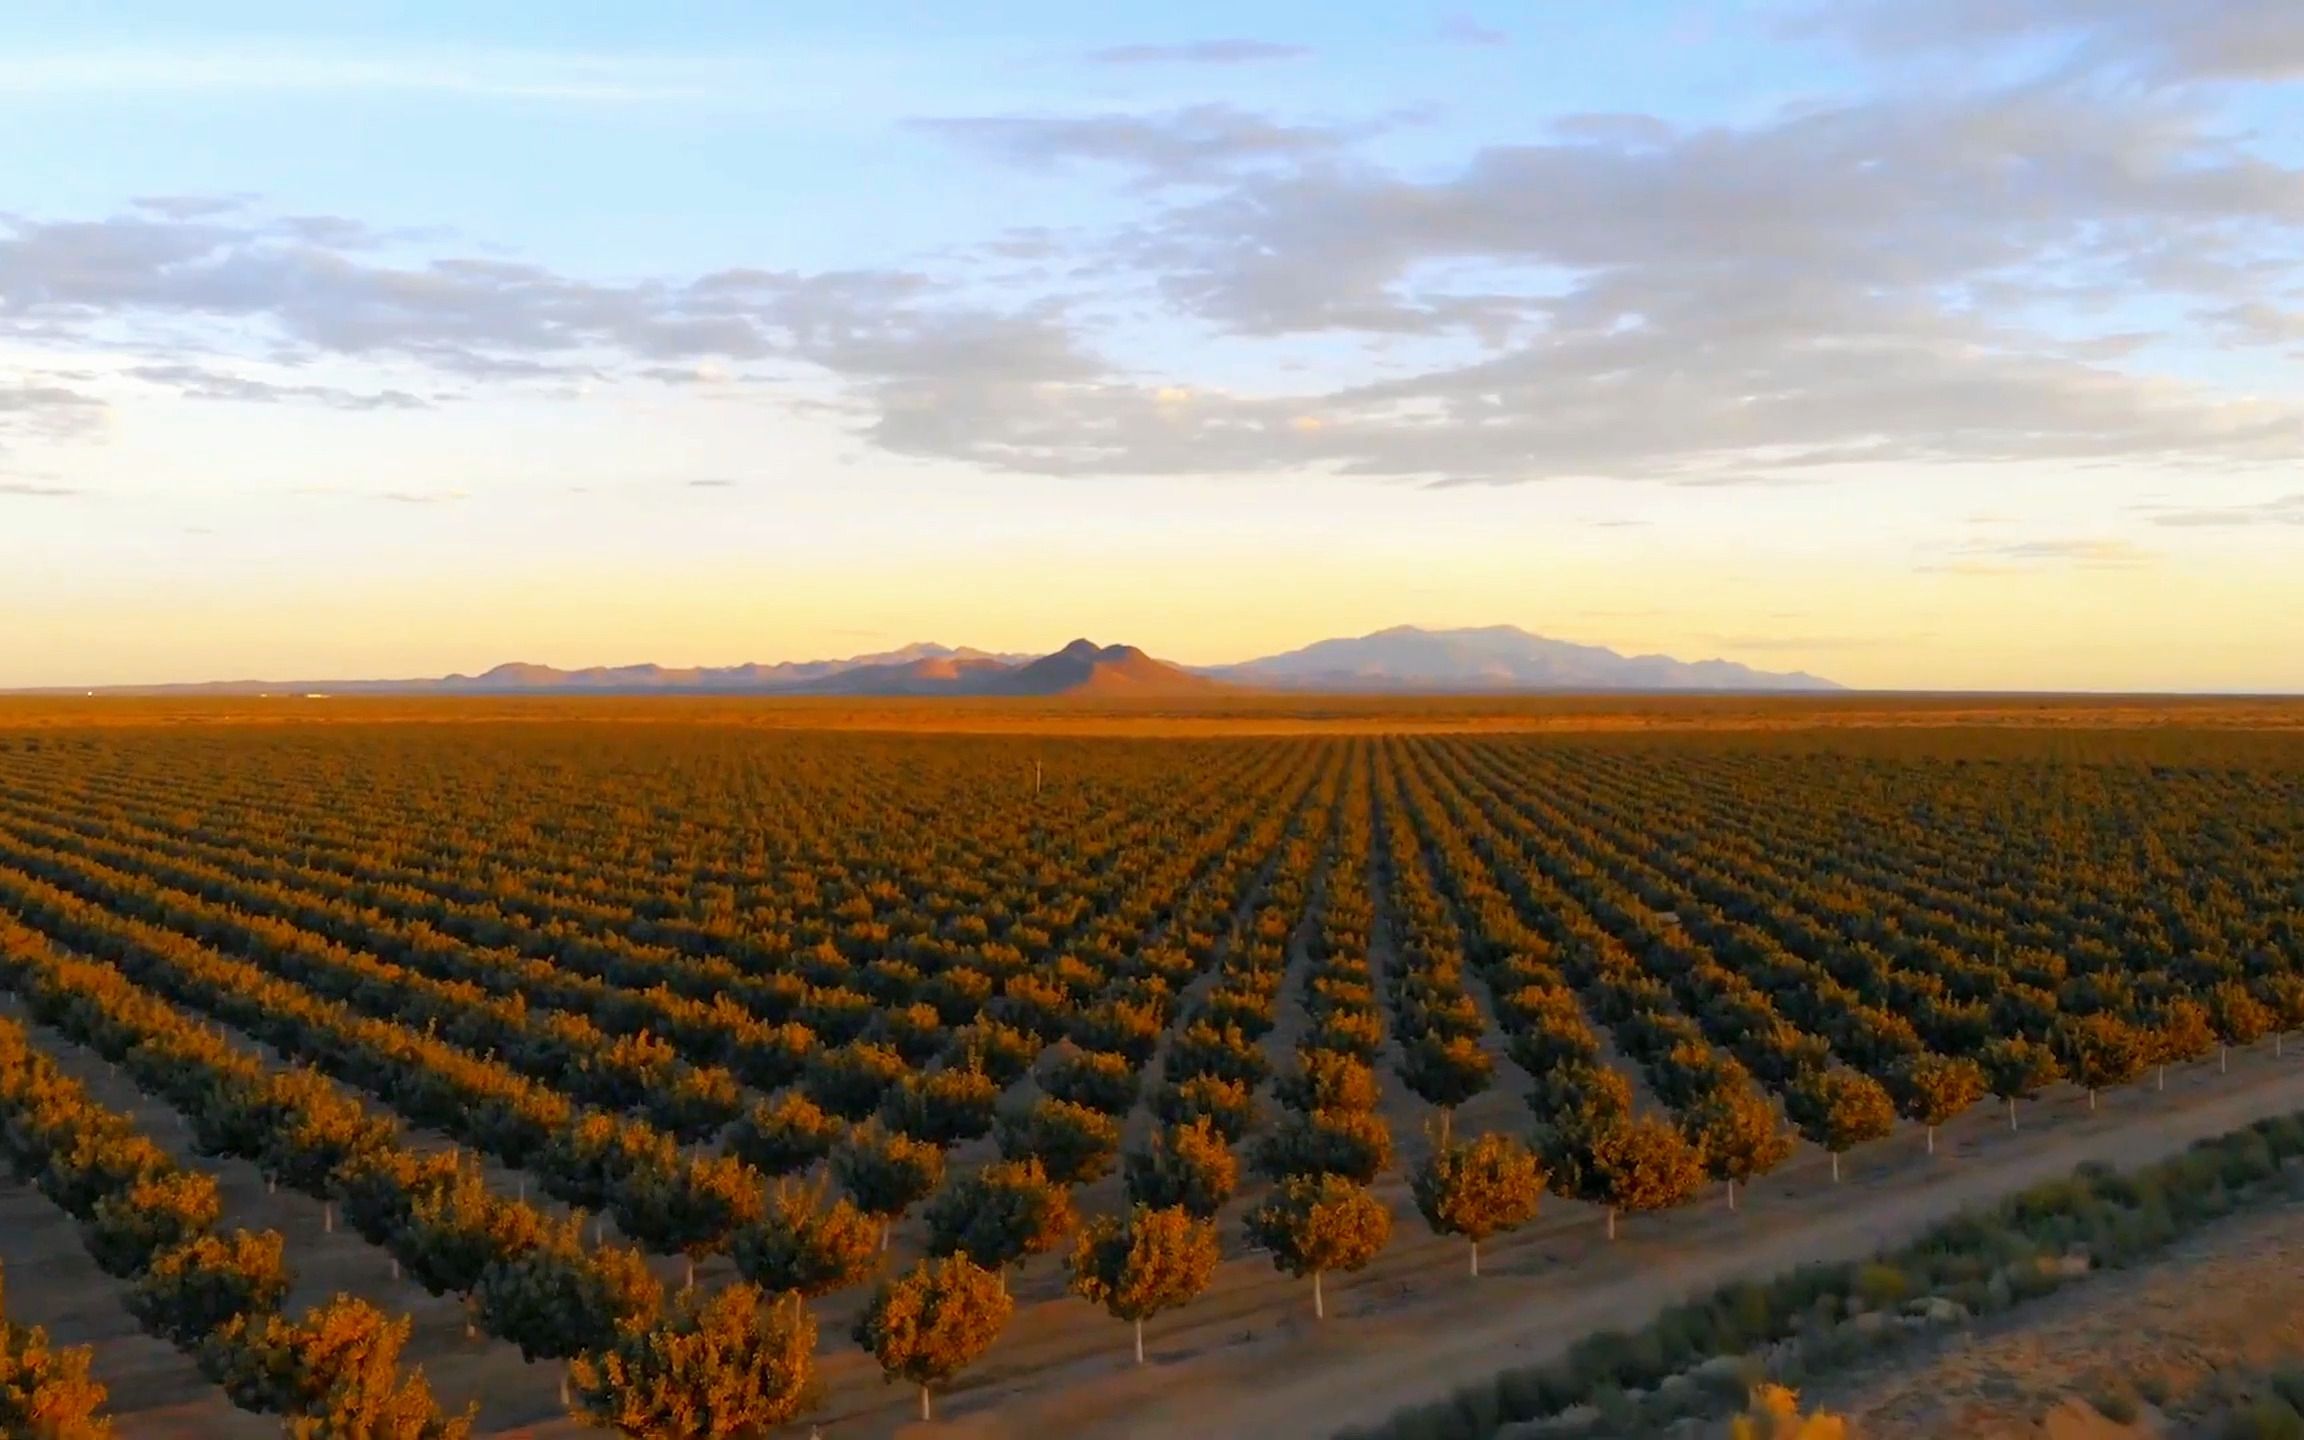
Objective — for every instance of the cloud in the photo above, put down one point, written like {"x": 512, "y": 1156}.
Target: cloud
{"x": 1916, "y": 278}
{"x": 2248, "y": 40}
{"x": 2286, "y": 510}
{"x": 192, "y": 207}
{"x": 201, "y": 383}
{"x": 1464, "y": 30}
{"x": 1194, "y": 145}
{"x": 27, "y": 488}
{"x": 42, "y": 410}
{"x": 711, "y": 484}
{"x": 1200, "y": 52}
{"x": 2016, "y": 557}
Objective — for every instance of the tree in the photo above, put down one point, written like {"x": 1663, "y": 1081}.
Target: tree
{"x": 335, "y": 1372}
{"x": 1839, "y": 1109}
{"x": 1579, "y": 1094}
{"x": 2283, "y": 996}
{"x": 933, "y": 1321}
{"x": 1313, "y": 1224}
{"x": 1930, "y": 1089}
{"x": 2017, "y": 1069}
{"x": 87, "y": 1165}
{"x": 155, "y": 1213}
{"x": 1444, "y": 1071}
{"x": 1002, "y": 1215}
{"x": 2102, "y": 1050}
{"x": 1098, "y": 1079}
{"x": 851, "y": 1080}
{"x": 1141, "y": 1264}
{"x": 1736, "y": 1134}
{"x": 1351, "y": 1143}
{"x": 454, "y": 1234}
{"x": 1488, "y": 1187}
{"x": 1624, "y": 1165}
{"x": 785, "y": 1134}
{"x": 1001, "y": 1051}
{"x": 1185, "y": 1165}
{"x": 942, "y": 1107}
{"x": 2182, "y": 1030}
{"x": 808, "y": 1243}
{"x": 2240, "y": 1019}
{"x": 721, "y": 1367}
{"x": 46, "y": 1393}
{"x": 886, "y": 1174}
{"x": 1229, "y": 1105}
{"x": 556, "y": 1299}
{"x": 327, "y": 1132}
{"x": 1073, "y": 1143}
{"x": 191, "y": 1291}
{"x": 689, "y": 1208}
{"x": 1327, "y": 1080}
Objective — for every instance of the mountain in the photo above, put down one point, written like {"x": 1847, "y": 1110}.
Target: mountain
{"x": 1080, "y": 668}
{"x": 1497, "y": 659}
{"x": 516, "y": 678}
{"x": 1492, "y": 658}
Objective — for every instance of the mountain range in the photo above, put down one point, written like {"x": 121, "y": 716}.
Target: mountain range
{"x": 1495, "y": 659}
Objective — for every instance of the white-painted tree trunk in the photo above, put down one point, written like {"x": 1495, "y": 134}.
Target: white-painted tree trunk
{"x": 1319, "y": 1301}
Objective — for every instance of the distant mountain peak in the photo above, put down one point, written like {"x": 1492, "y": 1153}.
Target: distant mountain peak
{"x": 1492, "y": 659}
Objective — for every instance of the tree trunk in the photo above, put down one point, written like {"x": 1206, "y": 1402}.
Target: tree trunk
{"x": 1139, "y": 1342}
{"x": 271, "y": 1184}
{"x": 1611, "y": 1222}
{"x": 689, "y": 1283}
{"x": 924, "y": 1415}
{"x": 395, "y": 1269}
{"x": 595, "y": 1232}
{"x": 2011, "y": 1112}
{"x": 1931, "y": 1139}
{"x": 564, "y": 1391}
{"x": 1731, "y": 1197}
{"x": 2161, "y": 1083}
{"x": 1319, "y": 1303}
{"x": 884, "y": 1238}
{"x": 2091, "y": 1102}
{"x": 1447, "y": 1118}
{"x": 327, "y": 1217}
{"x": 1835, "y": 1167}
{"x": 2223, "y": 1059}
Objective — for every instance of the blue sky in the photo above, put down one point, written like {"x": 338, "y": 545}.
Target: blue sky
{"x": 1935, "y": 347}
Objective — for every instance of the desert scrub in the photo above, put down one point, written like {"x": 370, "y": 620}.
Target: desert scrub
{"x": 1817, "y": 1318}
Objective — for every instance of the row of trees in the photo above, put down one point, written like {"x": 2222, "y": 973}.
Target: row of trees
{"x": 335, "y": 1370}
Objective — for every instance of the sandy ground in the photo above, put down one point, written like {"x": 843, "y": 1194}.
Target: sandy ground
{"x": 2228, "y": 1301}
{"x": 1247, "y": 1358}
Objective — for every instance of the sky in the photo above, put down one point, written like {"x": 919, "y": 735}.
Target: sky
{"x": 1931, "y": 346}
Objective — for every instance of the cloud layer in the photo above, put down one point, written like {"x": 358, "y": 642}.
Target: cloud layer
{"x": 2024, "y": 270}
